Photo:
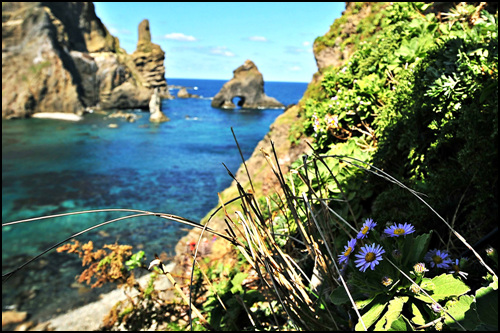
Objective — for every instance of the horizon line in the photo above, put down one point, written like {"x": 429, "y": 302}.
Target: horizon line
{"x": 188, "y": 78}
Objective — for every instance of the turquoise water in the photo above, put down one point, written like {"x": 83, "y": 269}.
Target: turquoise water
{"x": 55, "y": 166}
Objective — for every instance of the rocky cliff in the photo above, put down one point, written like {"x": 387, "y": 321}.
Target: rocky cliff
{"x": 248, "y": 85}
{"x": 59, "y": 57}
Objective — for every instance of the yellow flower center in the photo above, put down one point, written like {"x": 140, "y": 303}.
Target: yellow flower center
{"x": 365, "y": 230}
{"x": 348, "y": 252}
{"x": 399, "y": 231}
{"x": 437, "y": 259}
{"x": 370, "y": 256}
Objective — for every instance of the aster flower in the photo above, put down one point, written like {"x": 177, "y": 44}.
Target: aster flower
{"x": 367, "y": 226}
{"x": 369, "y": 256}
{"x": 456, "y": 269}
{"x": 399, "y": 229}
{"x": 438, "y": 258}
{"x": 347, "y": 251}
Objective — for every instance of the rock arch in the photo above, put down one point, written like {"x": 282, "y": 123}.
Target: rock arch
{"x": 247, "y": 84}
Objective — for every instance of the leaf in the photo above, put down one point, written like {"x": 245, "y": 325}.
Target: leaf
{"x": 361, "y": 304}
{"x": 371, "y": 316}
{"x": 339, "y": 296}
{"x": 457, "y": 309}
{"x": 401, "y": 324}
{"x": 392, "y": 314}
{"x": 445, "y": 285}
{"x": 237, "y": 282}
{"x": 415, "y": 248}
{"x": 487, "y": 304}
{"x": 418, "y": 318}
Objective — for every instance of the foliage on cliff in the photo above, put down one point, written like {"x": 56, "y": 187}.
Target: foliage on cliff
{"x": 420, "y": 97}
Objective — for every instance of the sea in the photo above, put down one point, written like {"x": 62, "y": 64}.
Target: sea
{"x": 52, "y": 166}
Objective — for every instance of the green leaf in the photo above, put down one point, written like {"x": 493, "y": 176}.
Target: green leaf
{"x": 237, "y": 282}
{"x": 457, "y": 309}
{"x": 415, "y": 248}
{"x": 371, "y": 316}
{"x": 445, "y": 285}
{"x": 487, "y": 304}
{"x": 339, "y": 296}
{"x": 401, "y": 324}
{"x": 392, "y": 314}
{"x": 362, "y": 303}
{"x": 418, "y": 318}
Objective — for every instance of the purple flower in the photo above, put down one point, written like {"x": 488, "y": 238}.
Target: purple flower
{"x": 369, "y": 256}
{"x": 399, "y": 229}
{"x": 438, "y": 258}
{"x": 455, "y": 269}
{"x": 367, "y": 226}
{"x": 347, "y": 251}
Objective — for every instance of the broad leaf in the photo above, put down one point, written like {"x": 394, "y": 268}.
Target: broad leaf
{"x": 392, "y": 314}
{"x": 457, "y": 309}
{"x": 445, "y": 285}
{"x": 401, "y": 324}
{"x": 372, "y": 315}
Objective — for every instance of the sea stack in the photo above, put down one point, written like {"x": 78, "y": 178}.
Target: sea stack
{"x": 149, "y": 61}
{"x": 248, "y": 85}
{"x": 156, "y": 116}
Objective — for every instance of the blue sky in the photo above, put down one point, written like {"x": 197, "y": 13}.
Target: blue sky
{"x": 208, "y": 40}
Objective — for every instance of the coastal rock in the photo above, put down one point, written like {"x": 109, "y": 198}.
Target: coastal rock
{"x": 183, "y": 93}
{"x": 149, "y": 61}
{"x": 155, "y": 108}
{"x": 247, "y": 84}
{"x": 59, "y": 57}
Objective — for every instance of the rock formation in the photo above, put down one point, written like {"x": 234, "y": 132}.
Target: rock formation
{"x": 183, "y": 93}
{"x": 248, "y": 85}
{"x": 155, "y": 108}
{"x": 59, "y": 57}
{"x": 149, "y": 61}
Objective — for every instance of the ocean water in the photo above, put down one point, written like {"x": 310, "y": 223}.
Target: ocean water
{"x": 55, "y": 166}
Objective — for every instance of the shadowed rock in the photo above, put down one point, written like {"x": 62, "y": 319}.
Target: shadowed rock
{"x": 247, "y": 84}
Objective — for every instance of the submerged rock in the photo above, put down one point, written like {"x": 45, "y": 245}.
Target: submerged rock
{"x": 247, "y": 84}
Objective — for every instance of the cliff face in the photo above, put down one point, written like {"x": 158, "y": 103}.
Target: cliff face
{"x": 58, "y": 56}
{"x": 247, "y": 84}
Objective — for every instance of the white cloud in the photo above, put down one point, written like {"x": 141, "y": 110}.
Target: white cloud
{"x": 295, "y": 68}
{"x": 222, "y": 51}
{"x": 258, "y": 39}
{"x": 306, "y": 43}
{"x": 180, "y": 37}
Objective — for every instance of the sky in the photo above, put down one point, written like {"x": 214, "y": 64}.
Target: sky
{"x": 209, "y": 40}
